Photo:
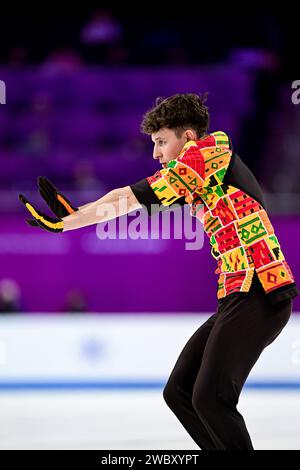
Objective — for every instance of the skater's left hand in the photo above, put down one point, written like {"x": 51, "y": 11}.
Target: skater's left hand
{"x": 57, "y": 202}
{"x": 50, "y": 224}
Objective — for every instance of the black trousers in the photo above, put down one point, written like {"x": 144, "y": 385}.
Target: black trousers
{"x": 204, "y": 386}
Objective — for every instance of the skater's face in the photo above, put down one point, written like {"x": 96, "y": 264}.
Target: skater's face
{"x": 167, "y": 145}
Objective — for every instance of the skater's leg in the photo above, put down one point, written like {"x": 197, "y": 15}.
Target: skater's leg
{"x": 179, "y": 388}
{"x": 242, "y": 330}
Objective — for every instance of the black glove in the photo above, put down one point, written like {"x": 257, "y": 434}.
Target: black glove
{"x": 57, "y": 202}
{"x": 43, "y": 220}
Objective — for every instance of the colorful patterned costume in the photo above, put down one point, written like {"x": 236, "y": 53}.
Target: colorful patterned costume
{"x": 241, "y": 235}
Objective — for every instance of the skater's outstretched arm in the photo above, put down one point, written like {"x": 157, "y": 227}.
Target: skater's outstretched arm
{"x": 113, "y": 204}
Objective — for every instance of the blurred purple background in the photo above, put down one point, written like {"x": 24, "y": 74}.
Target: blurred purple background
{"x": 74, "y": 103}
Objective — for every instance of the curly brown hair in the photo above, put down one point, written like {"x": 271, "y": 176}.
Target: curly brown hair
{"x": 178, "y": 112}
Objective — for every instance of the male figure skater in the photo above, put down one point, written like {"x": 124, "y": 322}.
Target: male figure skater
{"x": 255, "y": 285}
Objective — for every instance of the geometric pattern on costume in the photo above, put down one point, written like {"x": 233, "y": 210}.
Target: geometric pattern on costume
{"x": 274, "y": 246}
{"x": 166, "y": 193}
{"x": 234, "y": 260}
{"x": 211, "y": 224}
{"x": 251, "y": 229}
{"x": 181, "y": 178}
{"x": 235, "y": 282}
{"x": 244, "y": 204}
{"x": 224, "y": 210}
{"x": 275, "y": 276}
{"x": 227, "y": 238}
{"x": 241, "y": 235}
{"x": 216, "y": 162}
{"x": 214, "y": 247}
{"x": 264, "y": 252}
{"x": 221, "y": 139}
{"x": 209, "y": 197}
{"x": 259, "y": 254}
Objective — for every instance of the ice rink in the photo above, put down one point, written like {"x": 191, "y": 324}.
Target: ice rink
{"x": 133, "y": 419}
